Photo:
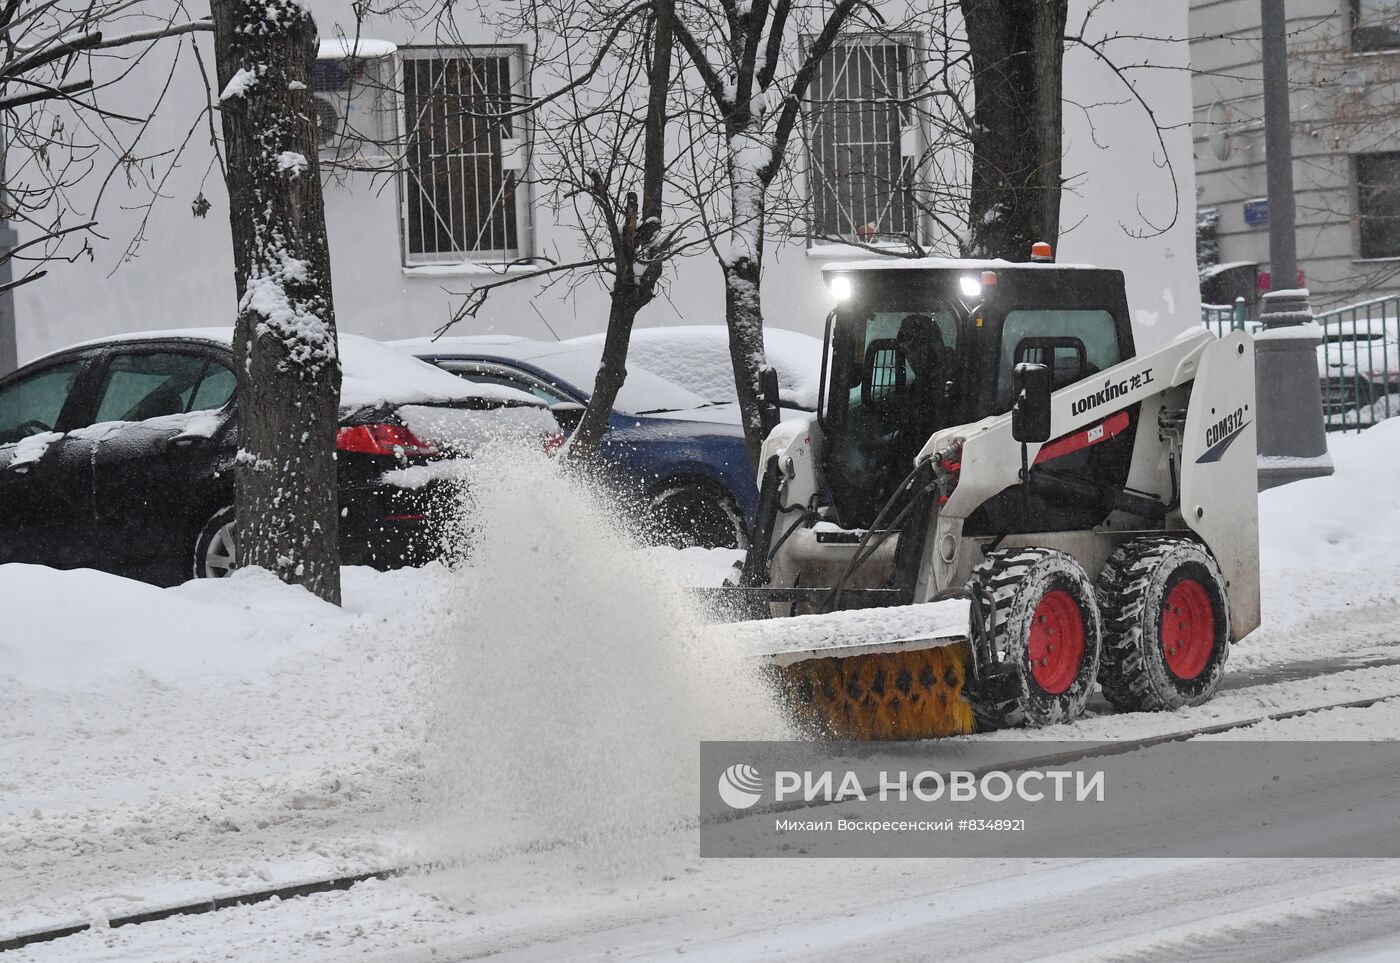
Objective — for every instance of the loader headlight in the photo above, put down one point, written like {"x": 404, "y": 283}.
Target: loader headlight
{"x": 840, "y": 287}
{"x": 970, "y": 286}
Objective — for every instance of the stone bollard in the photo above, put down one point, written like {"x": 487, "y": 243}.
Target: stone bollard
{"x": 1292, "y": 440}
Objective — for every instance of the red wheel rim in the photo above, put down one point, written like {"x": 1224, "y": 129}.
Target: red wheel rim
{"x": 1056, "y": 644}
{"x": 1188, "y": 629}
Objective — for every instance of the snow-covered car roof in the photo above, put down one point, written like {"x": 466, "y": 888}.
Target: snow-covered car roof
{"x": 696, "y": 356}
{"x": 574, "y": 362}
{"x": 371, "y": 372}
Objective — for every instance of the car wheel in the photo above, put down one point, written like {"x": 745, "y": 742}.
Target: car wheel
{"x": 215, "y": 549}
{"x": 689, "y": 514}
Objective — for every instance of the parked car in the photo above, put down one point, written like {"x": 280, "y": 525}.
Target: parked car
{"x": 678, "y": 457}
{"x": 118, "y": 454}
{"x": 1359, "y": 364}
{"x": 696, "y": 356}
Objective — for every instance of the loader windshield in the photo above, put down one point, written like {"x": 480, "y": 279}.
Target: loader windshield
{"x": 892, "y": 373}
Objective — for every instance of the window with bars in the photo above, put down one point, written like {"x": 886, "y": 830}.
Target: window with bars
{"x": 1378, "y": 204}
{"x": 860, "y": 134}
{"x": 462, "y": 199}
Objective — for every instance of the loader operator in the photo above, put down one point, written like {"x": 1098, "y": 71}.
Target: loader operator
{"x": 917, "y": 414}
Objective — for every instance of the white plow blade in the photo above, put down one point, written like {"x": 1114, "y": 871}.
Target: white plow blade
{"x": 849, "y": 633}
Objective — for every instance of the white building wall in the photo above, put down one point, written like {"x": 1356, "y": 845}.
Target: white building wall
{"x": 1119, "y": 184}
{"x": 1341, "y": 103}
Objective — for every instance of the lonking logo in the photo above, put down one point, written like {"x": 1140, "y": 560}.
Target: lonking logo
{"x": 740, "y": 786}
{"x": 1110, "y": 391}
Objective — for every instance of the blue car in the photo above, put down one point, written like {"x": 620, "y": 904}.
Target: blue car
{"x": 678, "y": 458}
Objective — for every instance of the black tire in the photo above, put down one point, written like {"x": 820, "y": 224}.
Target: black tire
{"x": 1145, "y": 581}
{"x": 217, "y": 539}
{"x": 689, "y": 513}
{"x": 1036, "y": 593}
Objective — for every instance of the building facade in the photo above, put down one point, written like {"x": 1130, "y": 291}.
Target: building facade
{"x": 1344, "y": 74}
{"x": 457, "y": 206}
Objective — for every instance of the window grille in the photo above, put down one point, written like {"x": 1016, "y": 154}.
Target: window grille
{"x": 462, "y": 197}
{"x": 859, "y": 130}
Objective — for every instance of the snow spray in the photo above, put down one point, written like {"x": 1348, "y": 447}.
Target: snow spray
{"x": 571, "y": 684}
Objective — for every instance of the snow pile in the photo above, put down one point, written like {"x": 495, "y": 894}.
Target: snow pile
{"x": 697, "y": 357}
{"x": 163, "y": 745}
{"x": 1341, "y": 518}
{"x": 124, "y": 629}
{"x": 1330, "y": 559}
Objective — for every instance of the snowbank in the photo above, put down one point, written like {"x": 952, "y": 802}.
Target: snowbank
{"x": 1349, "y": 520}
{"x": 84, "y": 629}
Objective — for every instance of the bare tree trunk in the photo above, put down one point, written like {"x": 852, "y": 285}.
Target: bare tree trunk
{"x": 1017, "y": 57}
{"x": 286, "y": 364}
{"x": 636, "y": 270}
{"x": 743, "y": 308}
{"x": 756, "y": 145}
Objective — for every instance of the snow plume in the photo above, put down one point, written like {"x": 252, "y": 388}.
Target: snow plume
{"x": 573, "y": 685}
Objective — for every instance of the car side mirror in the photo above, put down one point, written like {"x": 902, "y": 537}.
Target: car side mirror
{"x": 1030, "y": 416}
{"x": 568, "y": 414}
{"x": 770, "y": 411}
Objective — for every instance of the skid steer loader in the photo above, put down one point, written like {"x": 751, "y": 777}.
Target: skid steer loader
{"x": 999, "y": 503}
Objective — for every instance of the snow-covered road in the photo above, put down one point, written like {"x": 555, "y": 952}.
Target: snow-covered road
{"x": 158, "y": 746}
{"x": 552, "y": 906}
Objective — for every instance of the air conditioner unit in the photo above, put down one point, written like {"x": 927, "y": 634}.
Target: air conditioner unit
{"x": 354, "y": 94}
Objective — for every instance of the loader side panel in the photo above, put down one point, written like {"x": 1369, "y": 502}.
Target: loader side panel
{"x": 1078, "y": 331}
{"x": 1219, "y": 472}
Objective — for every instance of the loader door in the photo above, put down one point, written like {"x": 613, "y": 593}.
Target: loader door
{"x": 890, "y": 391}
{"x": 1074, "y": 480}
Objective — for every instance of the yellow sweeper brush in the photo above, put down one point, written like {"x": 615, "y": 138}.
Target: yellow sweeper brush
{"x": 870, "y": 674}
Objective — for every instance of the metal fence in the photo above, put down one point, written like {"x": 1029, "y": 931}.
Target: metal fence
{"x": 1358, "y": 362}
{"x": 1223, "y": 318}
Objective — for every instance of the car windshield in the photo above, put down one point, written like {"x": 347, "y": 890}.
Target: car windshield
{"x": 642, "y": 393}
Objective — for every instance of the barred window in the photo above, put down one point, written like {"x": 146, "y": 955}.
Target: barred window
{"x": 462, "y": 199}
{"x": 1378, "y": 204}
{"x": 860, "y": 133}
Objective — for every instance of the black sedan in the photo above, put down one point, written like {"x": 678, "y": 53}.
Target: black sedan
{"x": 118, "y": 454}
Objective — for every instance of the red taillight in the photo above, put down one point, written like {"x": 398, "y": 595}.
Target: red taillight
{"x": 553, "y": 443}
{"x": 392, "y": 440}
